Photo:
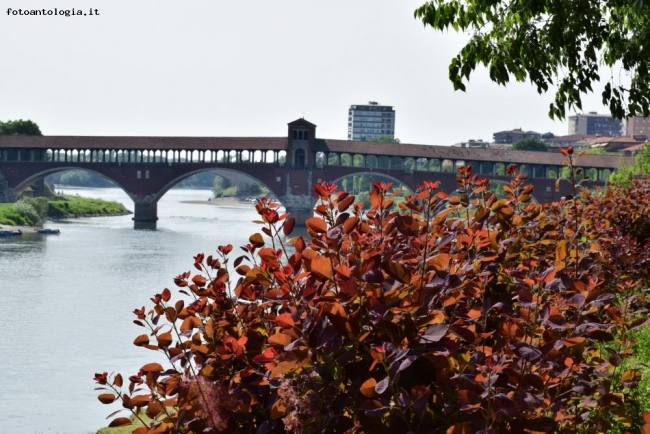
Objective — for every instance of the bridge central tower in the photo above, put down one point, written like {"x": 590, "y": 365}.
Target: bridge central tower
{"x": 298, "y": 198}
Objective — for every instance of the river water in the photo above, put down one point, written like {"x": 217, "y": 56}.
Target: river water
{"x": 66, "y": 303}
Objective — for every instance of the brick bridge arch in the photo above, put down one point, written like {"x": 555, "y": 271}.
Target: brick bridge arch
{"x": 149, "y": 184}
{"x": 220, "y": 171}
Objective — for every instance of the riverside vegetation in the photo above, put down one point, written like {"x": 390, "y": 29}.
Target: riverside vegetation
{"x": 462, "y": 313}
{"x": 33, "y": 211}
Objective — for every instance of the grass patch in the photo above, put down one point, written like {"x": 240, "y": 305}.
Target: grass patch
{"x": 10, "y": 217}
{"x": 641, "y": 392}
{"x": 16, "y": 214}
{"x": 126, "y": 429}
{"x": 75, "y": 206}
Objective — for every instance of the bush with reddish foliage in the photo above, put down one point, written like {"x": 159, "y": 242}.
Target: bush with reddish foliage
{"x": 451, "y": 314}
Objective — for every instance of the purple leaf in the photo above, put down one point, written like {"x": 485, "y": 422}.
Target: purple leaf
{"x": 434, "y": 333}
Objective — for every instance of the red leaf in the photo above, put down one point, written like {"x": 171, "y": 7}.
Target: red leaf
{"x": 285, "y": 321}
{"x": 152, "y": 367}
{"x": 278, "y": 410}
{"x": 316, "y": 224}
{"x": 287, "y": 228}
{"x": 266, "y": 357}
{"x": 117, "y": 381}
{"x": 199, "y": 280}
{"x": 367, "y": 389}
{"x": 120, "y": 421}
{"x": 322, "y": 266}
{"x": 141, "y": 340}
{"x": 256, "y": 240}
{"x": 107, "y": 398}
{"x": 345, "y": 203}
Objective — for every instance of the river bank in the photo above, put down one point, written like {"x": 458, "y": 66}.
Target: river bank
{"x": 228, "y": 202}
{"x": 32, "y": 212}
{"x": 23, "y": 229}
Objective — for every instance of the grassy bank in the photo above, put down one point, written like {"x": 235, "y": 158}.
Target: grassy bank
{"x": 9, "y": 216}
{"x": 34, "y": 211}
{"x": 75, "y": 206}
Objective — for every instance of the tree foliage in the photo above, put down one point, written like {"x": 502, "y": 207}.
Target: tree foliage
{"x": 454, "y": 314}
{"x": 385, "y": 139}
{"x": 81, "y": 178}
{"x": 220, "y": 184}
{"x": 19, "y": 128}
{"x": 553, "y": 43}
{"x": 641, "y": 166}
{"x": 531, "y": 144}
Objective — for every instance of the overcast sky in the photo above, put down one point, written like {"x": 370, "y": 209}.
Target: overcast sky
{"x": 247, "y": 68}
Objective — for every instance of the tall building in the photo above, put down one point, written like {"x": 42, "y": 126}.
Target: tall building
{"x": 637, "y": 126}
{"x": 366, "y": 122}
{"x": 593, "y": 124}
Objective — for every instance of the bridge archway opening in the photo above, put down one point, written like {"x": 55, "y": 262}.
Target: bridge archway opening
{"x": 320, "y": 160}
{"x": 282, "y": 158}
{"x": 242, "y": 180}
{"x": 421, "y": 165}
{"x": 434, "y": 165}
{"x": 606, "y": 174}
{"x": 360, "y": 184}
{"x": 245, "y": 156}
{"x": 372, "y": 161}
{"x": 409, "y": 165}
{"x": 76, "y": 179}
{"x": 397, "y": 163}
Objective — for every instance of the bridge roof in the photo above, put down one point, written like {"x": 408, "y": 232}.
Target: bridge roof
{"x": 466, "y": 154}
{"x": 320, "y": 145}
{"x": 143, "y": 142}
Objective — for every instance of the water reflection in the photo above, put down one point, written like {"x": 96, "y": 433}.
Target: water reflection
{"x": 25, "y": 244}
{"x": 67, "y": 302}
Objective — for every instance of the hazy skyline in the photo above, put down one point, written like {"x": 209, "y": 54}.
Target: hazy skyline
{"x": 247, "y": 68}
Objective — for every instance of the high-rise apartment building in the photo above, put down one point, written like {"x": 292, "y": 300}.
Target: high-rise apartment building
{"x": 637, "y": 126}
{"x": 594, "y": 124}
{"x": 366, "y": 122}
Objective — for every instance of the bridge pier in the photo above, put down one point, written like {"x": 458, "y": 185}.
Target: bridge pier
{"x": 145, "y": 215}
{"x": 38, "y": 187}
{"x": 300, "y": 214}
{"x": 301, "y": 207}
{"x": 6, "y": 193}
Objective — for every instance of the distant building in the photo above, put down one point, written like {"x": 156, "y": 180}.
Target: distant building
{"x": 610, "y": 144}
{"x": 633, "y": 150}
{"x": 593, "y": 124}
{"x": 513, "y": 136}
{"x": 366, "y": 122}
{"x": 637, "y": 126}
{"x": 574, "y": 140}
{"x": 477, "y": 144}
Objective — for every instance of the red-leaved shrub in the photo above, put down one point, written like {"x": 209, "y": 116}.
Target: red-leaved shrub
{"x": 445, "y": 314}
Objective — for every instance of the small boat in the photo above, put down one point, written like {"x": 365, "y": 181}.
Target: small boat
{"x": 49, "y": 231}
{"x": 4, "y": 233}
